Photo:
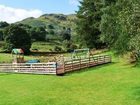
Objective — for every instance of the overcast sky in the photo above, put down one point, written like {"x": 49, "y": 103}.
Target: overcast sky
{"x": 17, "y": 10}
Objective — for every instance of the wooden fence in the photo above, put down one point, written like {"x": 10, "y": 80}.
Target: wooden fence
{"x": 57, "y": 68}
{"x": 77, "y": 64}
{"x": 36, "y": 68}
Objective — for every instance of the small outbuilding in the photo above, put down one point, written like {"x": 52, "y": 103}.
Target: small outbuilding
{"x": 18, "y": 56}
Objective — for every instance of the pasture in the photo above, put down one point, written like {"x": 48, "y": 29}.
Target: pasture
{"x": 112, "y": 84}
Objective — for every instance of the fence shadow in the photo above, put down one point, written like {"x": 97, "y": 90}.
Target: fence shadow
{"x": 4, "y": 74}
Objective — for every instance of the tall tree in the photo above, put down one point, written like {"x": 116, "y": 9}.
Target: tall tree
{"x": 2, "y": 26}
{"x": 17, "y": 37}
{"x": 89, "y": 18}
{"x": 120, "y": 26}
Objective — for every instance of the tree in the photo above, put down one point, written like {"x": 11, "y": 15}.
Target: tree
{"x": 66, "y": 34}
{"x": 89, "y": 18}
{"x": 50, "y": 26}
{"x": 120, "y": 26}
{"x": 38, "y": 33}
{"x": 16, "y": 37}
{"x": 1, "y": 35}
{"x": 3, "y": 24}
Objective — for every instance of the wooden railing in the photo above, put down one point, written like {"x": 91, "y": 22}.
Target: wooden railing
{"x": 36, "y": 68}
{"x": 55, "y": 67}
{"x": 77, "y": 64}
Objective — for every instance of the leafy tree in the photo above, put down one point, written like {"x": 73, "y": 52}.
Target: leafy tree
{"x": 1, "y": 34}
{"x": 89, "y": 18}
{"x": 26, "y": 27}
{"x": 50, "y": 26}
{"x": 38, "y": 33}
{"x": 120, "y": 26}
{"x": 3, "y": 24}
{"x": 16, "y": 37}
{"x": 51, "y": 32}
{"x": 66, "y": 35}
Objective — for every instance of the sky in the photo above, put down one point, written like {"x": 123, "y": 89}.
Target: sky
{"x": 16, "y": 10}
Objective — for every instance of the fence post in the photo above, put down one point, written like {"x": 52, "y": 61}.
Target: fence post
{"x": 60, "y": 68}
{"x": 89, "y": 62}
{"x": 104, "y": 59}
{"x": 72, "y": 65}
{"x": 80, "y": 62}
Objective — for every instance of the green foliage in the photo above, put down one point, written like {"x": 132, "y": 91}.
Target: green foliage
{"x": 66, "y": 34}
{"x": 120, "y": 25}
{"x": 38, "y": 33}
{"x": 33, "y": 22}
{"x": 1, "y": 35}
{"x": 3, "y": 24}
{"x": 53, "y": 24}
{"x": 16, "y": 37}
{"x": 51, "y": 32}
{"x": 57, "y": 49}
{"x": 89, "y": 18}
{"x": 69, "y": 46}
{"x": 50, "y": 26}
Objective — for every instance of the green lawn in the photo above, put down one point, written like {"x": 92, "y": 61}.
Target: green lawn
{"x": 112, "y": 84}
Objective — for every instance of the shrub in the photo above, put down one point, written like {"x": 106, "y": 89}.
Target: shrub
{"x": 57, "y": 49}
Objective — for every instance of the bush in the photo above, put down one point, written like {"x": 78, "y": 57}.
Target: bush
{"x": 51, "y": 32}
{"x": 72, "y": 48}
{"x": 69, "y": 46}
{"x": 50, "y": 26}
{"x": 57, "y": 49}
{"x": 38, "y": 33}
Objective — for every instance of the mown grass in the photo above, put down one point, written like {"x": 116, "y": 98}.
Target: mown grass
{"x": 117, "y": 83}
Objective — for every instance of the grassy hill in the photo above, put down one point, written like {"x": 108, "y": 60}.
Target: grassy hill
{"x": 54, "y": 25}
{"x": 57, "y": 21}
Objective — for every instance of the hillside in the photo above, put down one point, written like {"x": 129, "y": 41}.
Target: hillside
{"x": 52, "y": 21}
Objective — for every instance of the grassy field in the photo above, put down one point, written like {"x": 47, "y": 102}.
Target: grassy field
{"x": 113, "y": 84}
{"x": 45, "y": 46}
{"x": 41, "y": 46}
{"x": 7, "y": 58}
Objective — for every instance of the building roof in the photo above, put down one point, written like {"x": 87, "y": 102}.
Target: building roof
{"x": 17, "y": 51}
